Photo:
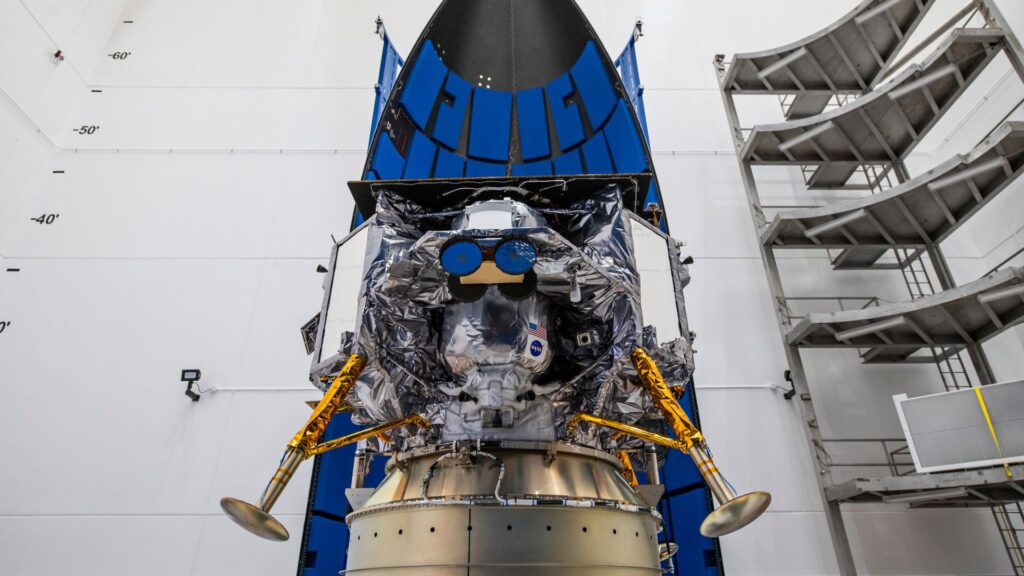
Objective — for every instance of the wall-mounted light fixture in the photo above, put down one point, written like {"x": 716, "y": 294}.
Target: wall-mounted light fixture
{"x": 191, "y": 376}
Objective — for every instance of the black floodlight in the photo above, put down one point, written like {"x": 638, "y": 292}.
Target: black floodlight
{"x": 191, "y": 375}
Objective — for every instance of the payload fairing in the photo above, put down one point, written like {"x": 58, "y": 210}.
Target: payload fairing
{"x": 500, "y": 353}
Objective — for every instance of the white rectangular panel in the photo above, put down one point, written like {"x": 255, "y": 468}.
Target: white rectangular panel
{"x": 343, "y": 304}
{"x": 949, "y": 431}
{"x": 653, "y": 252}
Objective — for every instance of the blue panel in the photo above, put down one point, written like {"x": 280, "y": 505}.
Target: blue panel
{"x": 386, "y": 160}
{"x": 569, "y": 163}
{"x": 532, "y": 116}
{"x": 568, "y": 125}
{"x": 624, "y": 141}
{"x": 595, "y": 151}
{"x": 420, "y": 92}
{"x": 538, "y": 168}
{"x": 490, "y": 124}
{"x": 684, "y": 514}
{"x": 325, "y": 554}
{"x": 450, "y": 117}
{"x": 421, "y": 157}
{"x": 449, "y": 164}
{"x": 629, "y": 71}
{"x": 475, "y": 168}
{"x": 594, "y": 86}
{"x": 390, "y": 61}
{"x": 326, "y": 532}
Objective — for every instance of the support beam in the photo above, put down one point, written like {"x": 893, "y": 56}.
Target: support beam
{"x": 833, "y": 513}
{"x": 979, "y": 359}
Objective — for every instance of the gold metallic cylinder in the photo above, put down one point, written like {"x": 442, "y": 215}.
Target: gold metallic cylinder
{"x": 289, "y": 463}
{"x": 712, "y": 477}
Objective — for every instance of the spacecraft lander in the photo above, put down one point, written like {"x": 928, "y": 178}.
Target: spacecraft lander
{"x": 505, "y": 355}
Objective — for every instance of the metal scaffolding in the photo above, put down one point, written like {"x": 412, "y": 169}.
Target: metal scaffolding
{"x": 855, "y": 105}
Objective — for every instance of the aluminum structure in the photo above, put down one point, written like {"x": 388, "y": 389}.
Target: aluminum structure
{"x": 920, "y": 212}
{"x": 856, "y": 105}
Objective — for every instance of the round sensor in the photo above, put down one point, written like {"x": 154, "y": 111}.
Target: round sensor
{"x": 515, "y": 256}
{"x": 461, "y": 257}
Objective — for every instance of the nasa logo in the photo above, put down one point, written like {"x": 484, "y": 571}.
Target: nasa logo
{"x": 536, "y": 348}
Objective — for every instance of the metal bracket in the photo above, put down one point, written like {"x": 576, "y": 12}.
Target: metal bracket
{"x": 552, "y": 453}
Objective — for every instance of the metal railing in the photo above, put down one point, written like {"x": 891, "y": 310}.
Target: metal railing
{"x": 893, "y": 454}
{"x": 1010, "y": 522}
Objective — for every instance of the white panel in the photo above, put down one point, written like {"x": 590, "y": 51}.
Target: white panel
{"x": 780, "y": 544}
{"x": 44, "y": 90}
{"x": 136, "y": 205}
{"x": 706, "y": 209}
{"x": 114, "y": 334}
{"x": 91, "y": 34}
{"x": 289, "y": 294}
{"x": 59, "y": 18}
{"x": 737, "y": 340}
{"x": 770, "y": 452}
{"x": 1004, "y": 350}
{"x": 344, "y": 306}
{"x": 226, "y": 549}
{"x": 890, "y": 539}
{"x": 224, "y": 119}
{"x": 24, "y": 166}
{"x": 161, "y": 204}
{"x": 657, "y": 288}
{"x": 95, "y": 545}
{"x": 954, "y": 430}
{"x": 314, "y": 204}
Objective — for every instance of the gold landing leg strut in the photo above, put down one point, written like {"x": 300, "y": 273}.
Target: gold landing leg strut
{"x": 734, "y": 512}
{"x": 305, "y": 444}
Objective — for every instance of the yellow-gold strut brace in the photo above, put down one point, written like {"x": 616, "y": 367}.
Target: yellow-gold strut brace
{"x": 627, "y": 469}
{"x": 305, "y": 444}
{"x": 734, "y": 512}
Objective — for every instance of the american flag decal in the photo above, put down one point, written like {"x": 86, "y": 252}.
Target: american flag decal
{"x": 538, "y": 331}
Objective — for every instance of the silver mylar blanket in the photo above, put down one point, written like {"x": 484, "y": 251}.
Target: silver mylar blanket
{"x": 506, "y": 364}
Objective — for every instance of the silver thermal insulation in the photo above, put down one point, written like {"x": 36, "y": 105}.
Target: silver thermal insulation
{"x": 506, "y": 363}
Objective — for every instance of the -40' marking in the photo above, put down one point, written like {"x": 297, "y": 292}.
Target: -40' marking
{"x": 46, "y": 218}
